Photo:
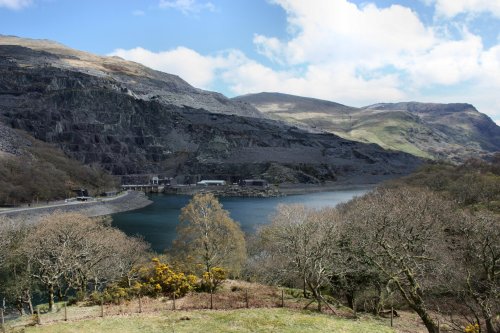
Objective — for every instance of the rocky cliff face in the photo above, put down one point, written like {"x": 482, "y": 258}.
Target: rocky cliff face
{"x": 11, "y": 143}
{"x": 113, "y": 119}
{"x": 120, "y": 75}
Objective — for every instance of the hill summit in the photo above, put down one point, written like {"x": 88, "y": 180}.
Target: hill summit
{"x": 453, "y": 132}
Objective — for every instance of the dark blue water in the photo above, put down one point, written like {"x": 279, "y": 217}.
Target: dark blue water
{"x": 156, "y": 223}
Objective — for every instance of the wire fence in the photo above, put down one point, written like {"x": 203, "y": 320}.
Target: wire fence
{"x": 220, "y": 300}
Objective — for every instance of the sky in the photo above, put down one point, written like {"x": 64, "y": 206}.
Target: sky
{"x": 354, "y": 52}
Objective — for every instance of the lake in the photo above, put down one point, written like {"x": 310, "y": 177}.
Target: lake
{"x": 157, "y": 222}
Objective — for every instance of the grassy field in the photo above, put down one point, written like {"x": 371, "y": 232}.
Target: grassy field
{"x": 230, "y": 315}
{"x": 244, "y": 320}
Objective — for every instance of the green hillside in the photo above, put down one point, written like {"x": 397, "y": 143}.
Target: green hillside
{"x": 453, "y": 132}
{"x": 252, "y": 320}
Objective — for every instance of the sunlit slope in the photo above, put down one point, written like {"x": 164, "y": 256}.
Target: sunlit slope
{"x": 440, "y": 131}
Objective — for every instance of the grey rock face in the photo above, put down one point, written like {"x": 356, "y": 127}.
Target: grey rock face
{"x": 124, "y": 76}
{"x": 98, "y": 119}
{"x": 11, "y": 142}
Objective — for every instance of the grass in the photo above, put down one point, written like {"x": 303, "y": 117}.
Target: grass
{"x": 244, "y": 320}
{"x": 230, "y": 315}
{"x": 390, "y": 130}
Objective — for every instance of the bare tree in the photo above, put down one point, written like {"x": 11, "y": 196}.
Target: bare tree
{"x": 299, "y": 244}
{"x": 479, "y": 254}
{"x": 403, "y": 233}
{"x": 4, "y": 239}
{"x": 69, "y": 251}
{"x": 15, "y": 280}
{"x": 207, "y": 236}
{"x": 355, "y": 274}
{"x": 124, "y": 254}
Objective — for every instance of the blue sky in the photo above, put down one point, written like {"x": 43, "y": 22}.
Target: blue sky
{"x": 353, "y": 52}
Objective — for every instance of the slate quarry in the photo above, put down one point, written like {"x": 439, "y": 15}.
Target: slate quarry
{"x": 132, "y": 120}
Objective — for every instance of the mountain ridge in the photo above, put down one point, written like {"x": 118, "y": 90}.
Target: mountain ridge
{"x": 454, "y": 131}
{"x": 131, "y": 124}
{"x": 136, "y": 79}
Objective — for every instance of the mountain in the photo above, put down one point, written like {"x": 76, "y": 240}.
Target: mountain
{"x": 128, "y": 77}
{"x": 440, "y": 131}
{"x": 130, "y": 119}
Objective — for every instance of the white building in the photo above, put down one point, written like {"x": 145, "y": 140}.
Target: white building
{"x": 211, "y": 183}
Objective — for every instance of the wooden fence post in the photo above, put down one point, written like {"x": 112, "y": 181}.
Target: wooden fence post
{"x": 211, "y": 299}
{"x": 282, "y": 298}
{"x": 173, "y": 298}
{"x": 65, "y": 311}
{"x": 140, "y": 304}
{"x": 38, "y": 319}
{"x": 246, "y": 297}
{"x": 392, "y": 314}
{"x": 2, "y": 321}
{"x": 102, "y": 308}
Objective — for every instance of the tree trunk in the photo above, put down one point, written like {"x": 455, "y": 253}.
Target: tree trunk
{"x": 51, "y": 297}
{"x": 378, "y": 304}
{"x": 487, "y": 316}
{"x": 416, "y": 302}
{"x": 304, "y": 290}
{"x": 351, "y": 300}
{"x": 83, "y": 286}
{"x": 489, "y": 326}
{"x": 316, "y": 294}
{"x": 59, "y": 294}
{"x": 129, "y": 283}
{"x": 19, "y": 305}
{"x": 27, "y": 300}
{"x": 428, "y": 322}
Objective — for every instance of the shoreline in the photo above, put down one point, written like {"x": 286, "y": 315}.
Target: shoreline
{"x": 131, "y": 200}
{"x": 271, "y": 191}
{"x": 295, "y": 189}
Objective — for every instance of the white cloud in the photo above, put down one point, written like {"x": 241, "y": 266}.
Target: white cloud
{"x": 187, "y": 6}
{"x": 356, "y": 55}
{"x": 447, "y": 63}
{"x": 359, "y": 54}
{"x": 451, "y": 8}
{"x": 193, "y": 67}
{"x": 334, "y": 83}
{"x": 351, "y": 54}
{"x": 338, "y": 30}
{"x": 15, "y": 4}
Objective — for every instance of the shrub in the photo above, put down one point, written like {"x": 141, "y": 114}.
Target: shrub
{"x": 161, "y": 279}
{"x": 210, "y": 281}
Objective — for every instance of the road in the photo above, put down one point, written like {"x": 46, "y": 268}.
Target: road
{"x": 57, "y": 204}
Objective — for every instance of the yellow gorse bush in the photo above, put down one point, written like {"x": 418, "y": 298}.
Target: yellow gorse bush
{"x": 472, "y": 328}
{"x": 211, "y": 280}
{"x": 161, "y": 278}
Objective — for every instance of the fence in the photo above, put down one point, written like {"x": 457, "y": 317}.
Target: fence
{"x": 235, "y": 298}
{"x": 226, "y": 299}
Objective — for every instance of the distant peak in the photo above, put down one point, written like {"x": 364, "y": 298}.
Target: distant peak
{"x": 277, "y": 97}
{"x": 422, "y": 107}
